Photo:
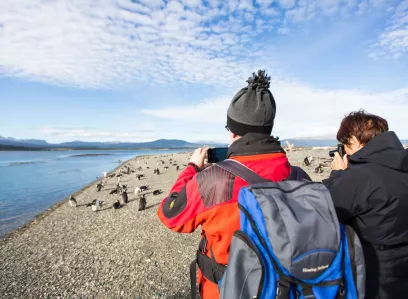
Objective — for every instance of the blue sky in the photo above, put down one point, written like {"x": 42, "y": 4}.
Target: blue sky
{"x": 142, "y": 70}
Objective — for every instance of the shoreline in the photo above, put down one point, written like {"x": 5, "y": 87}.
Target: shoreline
{"x": 42, "y": 215}
{"x": 37, "y": 218}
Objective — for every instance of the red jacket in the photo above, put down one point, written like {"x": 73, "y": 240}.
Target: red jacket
{"x": 209, "y": 199}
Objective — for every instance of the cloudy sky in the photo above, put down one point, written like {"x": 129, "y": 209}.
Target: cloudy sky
{"x": 141, "y": 70}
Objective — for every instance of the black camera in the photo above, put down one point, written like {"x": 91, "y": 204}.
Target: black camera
{"x": 340, "y": 150}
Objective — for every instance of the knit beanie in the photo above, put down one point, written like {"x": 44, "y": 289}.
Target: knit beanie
{"x": 253, "y": 108}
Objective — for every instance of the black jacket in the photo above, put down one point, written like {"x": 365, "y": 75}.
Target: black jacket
{"x": 372, "y": 196}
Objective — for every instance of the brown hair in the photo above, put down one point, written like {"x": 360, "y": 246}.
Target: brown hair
{"x": 362, "y": 125}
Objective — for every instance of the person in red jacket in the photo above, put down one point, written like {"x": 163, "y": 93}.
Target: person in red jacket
{"x": 207, "y": 196}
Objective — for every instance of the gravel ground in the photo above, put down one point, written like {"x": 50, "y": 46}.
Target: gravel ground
{"x": 76, "y": 253}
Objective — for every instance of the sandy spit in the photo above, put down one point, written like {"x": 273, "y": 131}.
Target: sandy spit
{"x": 72, "y": 252}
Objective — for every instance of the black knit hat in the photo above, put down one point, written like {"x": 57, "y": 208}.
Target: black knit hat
{"x": 253, "y": 108}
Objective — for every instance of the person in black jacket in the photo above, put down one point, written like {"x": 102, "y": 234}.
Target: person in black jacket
{"x": 369, "y": 187}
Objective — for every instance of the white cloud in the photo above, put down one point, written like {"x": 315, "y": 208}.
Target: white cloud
{"x": 302, "y": 111}
{"x": 109, "y": 44}
{"x": 393, "y": 42}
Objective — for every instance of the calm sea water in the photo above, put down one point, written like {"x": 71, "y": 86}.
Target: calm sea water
{"x": 31, "y": 182}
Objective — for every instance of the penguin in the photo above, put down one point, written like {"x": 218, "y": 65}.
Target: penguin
{"x": 142, "y": 203}
{"x": 125, "y": 197}
{"x": 72, "y": 201}
{"x": 308, "y": 160}
{"x": 116, "y": 205}
{"x": 123, "y": 188}
{"x": 137, "y": 190}
{"x": 96, "y": 206}
{"x": 143, "y": 188}
{"x": 115, "y": 191}
{"x": 99, "y": 186}
{"x": 88, "y": 205}
{"x": 157, "y": 171}
{"x": 157, "y": 192}
{"x": 177, "y": 167}
{"x": 319, "y": 169}
{"x": 166, "y": 167}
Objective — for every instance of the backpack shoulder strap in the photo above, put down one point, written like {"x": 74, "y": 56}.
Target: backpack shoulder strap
{"x": 241, "y": 171}
{"x": 251, "y": 177}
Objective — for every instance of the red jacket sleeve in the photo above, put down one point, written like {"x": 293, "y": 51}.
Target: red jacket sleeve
{"x": 183, "y": 210}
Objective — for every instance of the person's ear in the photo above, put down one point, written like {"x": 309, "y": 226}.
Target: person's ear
{"x": 357, "y": 143}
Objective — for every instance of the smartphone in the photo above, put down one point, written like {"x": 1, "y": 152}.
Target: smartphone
{"x": 217, "y": 154}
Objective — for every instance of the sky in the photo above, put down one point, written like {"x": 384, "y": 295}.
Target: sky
{"x": 122, "y": 70}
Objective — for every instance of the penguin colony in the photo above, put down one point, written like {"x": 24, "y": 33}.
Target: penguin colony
{"x": 120, "y": 191}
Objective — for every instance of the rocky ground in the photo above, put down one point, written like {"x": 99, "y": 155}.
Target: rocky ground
{"x": 73, "y": 252}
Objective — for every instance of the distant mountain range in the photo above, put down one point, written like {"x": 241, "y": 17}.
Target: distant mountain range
{"x": 37, "y": 144}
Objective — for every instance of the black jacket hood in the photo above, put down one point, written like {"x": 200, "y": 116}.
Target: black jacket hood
{"x": 384, "y": 149}
{"x": 255, "y": 144}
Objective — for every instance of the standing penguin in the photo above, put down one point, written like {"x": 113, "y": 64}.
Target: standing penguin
{"x": 72, "y": 201}
{"x": 125, "y": 196}
{"x": 142, "y": 203}
{"x": 99, "y": 186}
{"x": 96, "y": 206}
{"x": 116, "y": 205}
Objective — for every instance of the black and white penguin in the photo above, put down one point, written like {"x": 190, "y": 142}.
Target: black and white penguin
{"x": 319, "y": 169}
{"x": 116, "y": 205}
{"x": 142, "y": 203}
{"x": 116, "y": 190}
{"x": 177, "y": 167}
{"x": 72, "y": 201}
{"x": 157, "y": 192}
{"x": 125, "y": 197}
{"x": 90, "y": 204}
{"x": 99, "y": 186}
{"x": 143, "y": 188}
{"x": 308, "y": 160}
{"x": 96, "y": 206}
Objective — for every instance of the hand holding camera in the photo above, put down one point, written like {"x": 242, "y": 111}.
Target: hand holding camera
{"x": 340, "y": 158}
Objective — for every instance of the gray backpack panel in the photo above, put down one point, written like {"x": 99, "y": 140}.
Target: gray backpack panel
{"x": 302, "y": 225}
{"x": 245, "y": 271}
{"x": 356, "y": 253}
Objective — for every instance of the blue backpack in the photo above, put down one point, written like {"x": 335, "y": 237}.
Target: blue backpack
{"x": 290, "y": 243}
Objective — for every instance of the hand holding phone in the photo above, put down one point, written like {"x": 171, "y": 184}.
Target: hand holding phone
{"x": 198, "y": 157}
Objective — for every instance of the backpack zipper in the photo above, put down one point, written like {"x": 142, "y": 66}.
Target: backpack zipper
{"x": 285, "y": 191}
{"x": 247, "y": 240}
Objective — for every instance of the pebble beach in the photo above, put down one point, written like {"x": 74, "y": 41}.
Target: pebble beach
{"x": 73, "y": 252}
